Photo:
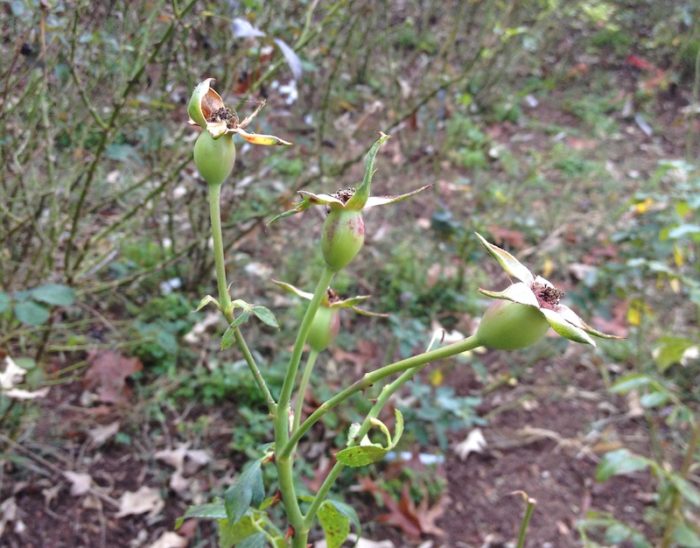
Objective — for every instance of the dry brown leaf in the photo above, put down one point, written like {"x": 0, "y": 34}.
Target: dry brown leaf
{"x": 169, "y": 540}
{"x": 145, "y": 500}
{"x": 100, "y": 434}
{"x": 80, "y": 483}
{"x": 108, "y": 373}
{"x": 473, "y": 443}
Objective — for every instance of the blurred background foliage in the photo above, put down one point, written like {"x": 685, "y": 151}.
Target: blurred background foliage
{"x": 104, "y": 228}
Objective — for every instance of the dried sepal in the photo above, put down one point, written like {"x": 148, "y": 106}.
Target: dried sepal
{"x": 365, "y": 312}
{"x": 518, "y": 293}
{"x": 259, "y": 139}
{"x": 573, "y": 318}
{"x": 566, "y": 329}
{"x": 509, "y": 263}
{"x": 204, "y": 102}
{"x": 350, "y": 302}
{"x": 374, "y": 201}
{"x": 362, "y": 193}
{"x": 293, "y": 290}
{"x": 321, "y": 199}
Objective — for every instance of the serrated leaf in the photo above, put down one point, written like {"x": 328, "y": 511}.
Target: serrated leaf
{"x": 231, "y": 534}
{"x": 266, "y": 316}
{"x": 4, "y": 302}
{"x": 213, "y": 510}
{"x": 247, "y": 490}
{"x": 335, "y": 524}
{"x": 55, "y": 294}
{"x": 631, "y": 382}
{"x": 685, "y": 488}
{"x": 361, "y": 455}
{"x": 31, "y": 313}
{"x": 205, "y": 301}
{"x": 619, "y": 462}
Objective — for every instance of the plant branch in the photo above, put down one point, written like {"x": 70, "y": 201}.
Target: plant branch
{"x": 377, "y": 375}
{"x": 225, "y": 299}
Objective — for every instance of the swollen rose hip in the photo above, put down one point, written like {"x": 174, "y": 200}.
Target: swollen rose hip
{"x": 509, "y": 326}
{"x": 342, "y": 238}
{"x": 214, "y": 158}
{"x": 324, "y": 328}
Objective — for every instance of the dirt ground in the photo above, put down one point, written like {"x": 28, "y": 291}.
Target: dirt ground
{"x": 544, "y": 436}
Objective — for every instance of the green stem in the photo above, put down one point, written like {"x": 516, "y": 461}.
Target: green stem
{"x": 385, "y": 394}
{"x": 377, "y": 375}
{"x": 301, "y": 392}
{"x": 529, "y": 509}
{"x": 285, "y": 463}
{"x": 217, "y": 237}
{"x": 672, "y": 515}
{"x": 225, "y": 298}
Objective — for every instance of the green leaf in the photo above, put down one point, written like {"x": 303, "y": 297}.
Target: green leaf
{"x": 361, "y": 195}
{"x": 56, "y": 294}
{"x": 205, "y": 301}
{"x": 685, "y": 488}
{"x": 229, "y": 335}
{"x": 669, "y": 351}
{"x": 30, "y": 313}
{"x": 335, "y": 518}
{"x": 631, "y": 382}
{"x": 335, "y": 524}
{"x": 247, "y": 490}
{"x": 4, "y": 302}
{"x": 361, "y": 455}
{"x": 227, "y": 339}
{"x": 685, "y": 536}
{"x": 254, "y": 541}
{"x": 398, "y": 428}
{"x": 619, "y": 462}
{"x": 242, "y": 318}
{"x": 213, "y": 510}
{"x": 266, "y": 316}
{"x": 654, "y": 399}
{"x": 231, "y": 534}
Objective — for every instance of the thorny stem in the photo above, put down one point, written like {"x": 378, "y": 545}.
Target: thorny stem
{"x": 410, "y": 367}
{"x": 672, "y": 515}
{"x": 104, "y": 138}
{"x": 368, "y": 379}
{"x": 285, "y": 462}
{"x": 225, "y": 298}
{"x": 301, "y": 392}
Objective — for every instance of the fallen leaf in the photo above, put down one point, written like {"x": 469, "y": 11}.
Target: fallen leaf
{"x": 12, "y": 375}
{"x": 210, "y": 320}
{"x": 473, "y": 443}
{"x": 100, "y": 434}
{"x": 19, "y": 394}
{"x": 108, "y": 373}
{"x": 80, "y": 482}
{"x": 169, "y": 540}
{"x": 145, "y": 500}
{"x": 8, "y": 513}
